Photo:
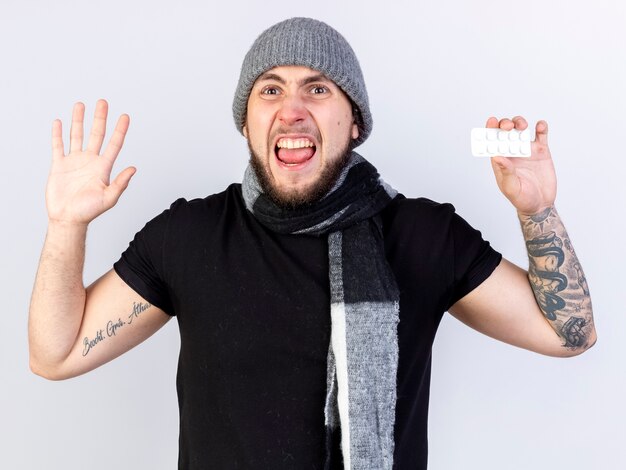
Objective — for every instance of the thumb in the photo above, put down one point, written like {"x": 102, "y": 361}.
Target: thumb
{"x": 506, "y": 178}
{"x": 502, "y": 166}
{"x": 118, "y": 186}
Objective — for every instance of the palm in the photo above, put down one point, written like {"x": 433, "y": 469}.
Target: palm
{"x": 76, "y": 187}
{"x": 529, "y": 183}
{"x": 79, "y": 187}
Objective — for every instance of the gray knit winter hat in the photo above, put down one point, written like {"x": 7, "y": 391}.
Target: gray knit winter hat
{"x": 308, "y": 42}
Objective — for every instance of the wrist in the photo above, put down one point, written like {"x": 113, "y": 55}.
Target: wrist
{"x": 541, "y": 214}
{"x": 66, "y": 228}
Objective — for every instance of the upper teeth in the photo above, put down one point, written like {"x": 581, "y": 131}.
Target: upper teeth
{"x": 294, "y": 143}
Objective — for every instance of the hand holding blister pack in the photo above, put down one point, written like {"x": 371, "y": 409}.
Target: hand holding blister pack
{"x": 492, "y": 142}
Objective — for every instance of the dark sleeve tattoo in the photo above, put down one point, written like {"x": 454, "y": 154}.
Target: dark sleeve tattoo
{"x": 557, "y": 278}
{"x": 113, "y": 326}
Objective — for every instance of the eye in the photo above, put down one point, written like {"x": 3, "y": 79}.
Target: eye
{"x": 270, "y": 90}
{"x": 319, "y": 90}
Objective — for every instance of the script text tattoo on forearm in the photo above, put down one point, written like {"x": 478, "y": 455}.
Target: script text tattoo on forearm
{"x": 113, "y": 326}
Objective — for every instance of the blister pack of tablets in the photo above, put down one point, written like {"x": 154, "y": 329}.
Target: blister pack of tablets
{"x": 489, "y": 142}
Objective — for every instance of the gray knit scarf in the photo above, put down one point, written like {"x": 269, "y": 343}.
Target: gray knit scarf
{"x": 363, "y": 352}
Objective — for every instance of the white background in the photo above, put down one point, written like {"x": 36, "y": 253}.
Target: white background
{"x": 434, "y": 70}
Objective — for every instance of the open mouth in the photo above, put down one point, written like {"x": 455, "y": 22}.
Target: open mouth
{"x": 293, "y": 153}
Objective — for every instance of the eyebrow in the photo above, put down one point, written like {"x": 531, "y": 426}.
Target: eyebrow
{"x": 269, "y": 76}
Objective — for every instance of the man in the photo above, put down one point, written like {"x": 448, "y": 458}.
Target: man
{"x": 307, "y": 297}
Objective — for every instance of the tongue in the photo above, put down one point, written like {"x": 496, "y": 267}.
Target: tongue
{"x": 295, "y": 155}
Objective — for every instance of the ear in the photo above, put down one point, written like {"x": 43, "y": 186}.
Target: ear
{"x": 245, "y": 131}
{"x": 355, "y": 131}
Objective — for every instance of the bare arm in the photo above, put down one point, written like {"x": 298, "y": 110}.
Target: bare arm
{"x": 62, "y": 312}
{"x": 552, "y": 313}
{"x": 547, "y": 309}
{"x": 71, "y": 339}
{"x": 58, "y": 299}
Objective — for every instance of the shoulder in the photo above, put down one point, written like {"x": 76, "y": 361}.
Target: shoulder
{"x": 417, "y": 213}
{"x": 434, "y": 226}
{"x": 218, "y": 202}
{"x": 402, "y": 205}
{"x": 199, "y": 211}
{"x": 187, "y": 217}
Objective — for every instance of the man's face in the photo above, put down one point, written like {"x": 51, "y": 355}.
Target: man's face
{"x": 299, "y": 125}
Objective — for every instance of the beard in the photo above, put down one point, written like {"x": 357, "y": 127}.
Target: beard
{"x": 303, "y": 197}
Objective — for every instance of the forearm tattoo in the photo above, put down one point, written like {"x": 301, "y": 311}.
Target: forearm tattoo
{"x": 557, "y": 278}
{"x": 113, "y": 326}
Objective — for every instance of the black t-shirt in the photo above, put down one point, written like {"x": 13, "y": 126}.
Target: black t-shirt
{"x": 254, "y": 339}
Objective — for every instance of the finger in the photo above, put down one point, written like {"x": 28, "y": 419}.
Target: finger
{"x": 541, "y": 132}
{"x": 492, "y": 122}
{"x": 506, "y": 124}
{"x": 57, "y": 140}
{"x": 117, "y": 139}
{"x": 76, "y": 131}
{"x": 520, "y": 123}
{"x": 118, "y": 186}
{"x": 98, "y": 128}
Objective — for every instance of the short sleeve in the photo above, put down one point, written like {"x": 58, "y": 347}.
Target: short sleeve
{"x": 141, "y": 266}
{"x": 474, "y": 258}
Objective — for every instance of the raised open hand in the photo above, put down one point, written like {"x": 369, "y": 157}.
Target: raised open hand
{"x": 529, "y": 183}
{"x": 79, "y": 187}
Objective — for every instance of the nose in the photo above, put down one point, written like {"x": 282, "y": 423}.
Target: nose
{"x": 292, "y": 110}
